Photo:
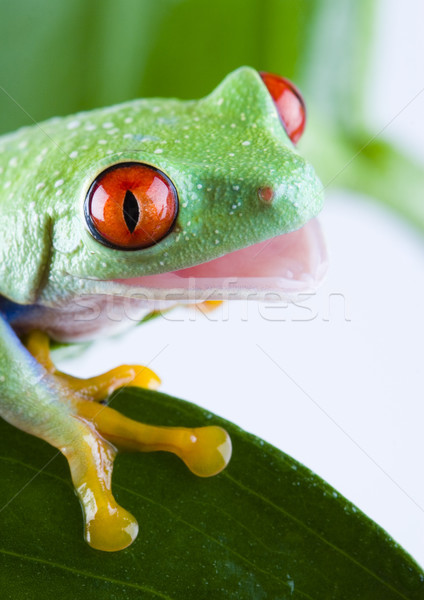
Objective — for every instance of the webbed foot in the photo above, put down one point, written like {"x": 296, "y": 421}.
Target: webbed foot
{"x": 94, "y": 432}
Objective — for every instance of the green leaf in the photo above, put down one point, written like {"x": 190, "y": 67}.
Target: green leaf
{"x": 367, "y": 165}
{"x": 265, "y": 528}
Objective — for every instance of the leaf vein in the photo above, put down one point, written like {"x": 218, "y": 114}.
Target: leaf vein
{"x": 191, "y": 526}
{"x": 86, "y": 573}
{"x": 315, "y": 533}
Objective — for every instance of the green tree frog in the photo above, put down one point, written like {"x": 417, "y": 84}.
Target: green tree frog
{"x": 147, "y": 203}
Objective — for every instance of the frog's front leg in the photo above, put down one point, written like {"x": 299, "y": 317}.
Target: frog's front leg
{"x": 94, "y": 388}
{"x": 195, "y": 446}
{"x": 38, "y": 399}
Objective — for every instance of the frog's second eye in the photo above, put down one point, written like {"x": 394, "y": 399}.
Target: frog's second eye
{"x": 289, "y": 103}
{"x": 131, "y": 206}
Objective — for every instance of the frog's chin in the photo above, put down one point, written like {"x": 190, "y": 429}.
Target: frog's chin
{"x": 282, "y": 267}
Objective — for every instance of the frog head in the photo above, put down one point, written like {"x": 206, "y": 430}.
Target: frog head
{"x": 157, "y": 194}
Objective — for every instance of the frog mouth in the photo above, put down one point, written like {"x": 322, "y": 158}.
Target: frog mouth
{"x": 282, "y": 267}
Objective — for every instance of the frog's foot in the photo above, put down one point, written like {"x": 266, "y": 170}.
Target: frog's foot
{"x": 208, "y": 306}
{"x": 205, "y": 450}
{"x": 94, "y": 388}
{"x": 92, "y": 449}
{"x": 92, "y": 433}
{"x": 107, "y": 526}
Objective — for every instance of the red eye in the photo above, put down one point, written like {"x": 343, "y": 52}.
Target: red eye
{"x": 289, "y": 103}
{"x": 131, "y": 206}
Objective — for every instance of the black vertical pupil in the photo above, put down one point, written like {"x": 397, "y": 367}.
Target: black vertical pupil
{"x": 131, "y": 211}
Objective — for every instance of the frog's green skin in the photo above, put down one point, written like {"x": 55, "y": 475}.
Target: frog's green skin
{"x": 218, "y": 151}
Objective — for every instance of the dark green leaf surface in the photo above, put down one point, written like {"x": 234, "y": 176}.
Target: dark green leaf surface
{"x": 265, "y": 528}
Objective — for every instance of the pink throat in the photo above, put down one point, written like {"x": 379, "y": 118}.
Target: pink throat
{"x": 287, "y": 264}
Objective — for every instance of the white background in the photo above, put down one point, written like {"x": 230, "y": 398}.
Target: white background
{"x": 341, "y": 389}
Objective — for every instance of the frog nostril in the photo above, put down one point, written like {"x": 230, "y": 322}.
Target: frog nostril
{"x": 266, "y": 194}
